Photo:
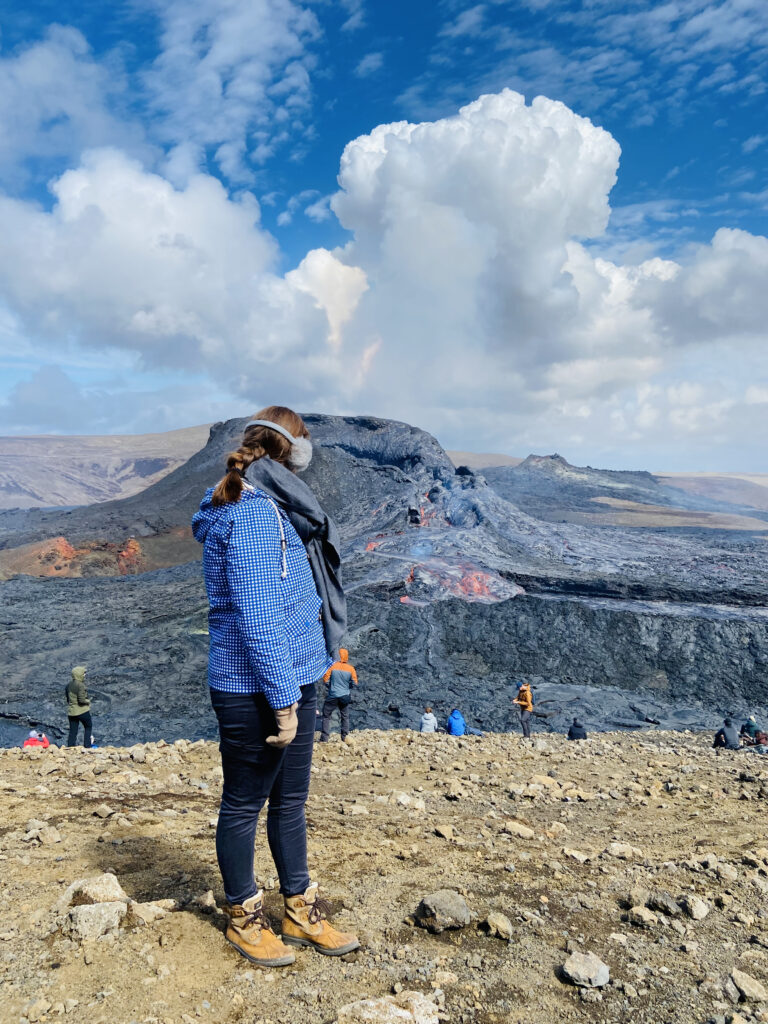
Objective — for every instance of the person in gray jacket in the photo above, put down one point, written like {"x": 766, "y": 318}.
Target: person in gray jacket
{"x": 428, "y": 721}
{"x": 727, "y": 737}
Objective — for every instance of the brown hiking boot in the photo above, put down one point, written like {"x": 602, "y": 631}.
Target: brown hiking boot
{"x": 304, "y": 924}
{"x": 250, "y": 933}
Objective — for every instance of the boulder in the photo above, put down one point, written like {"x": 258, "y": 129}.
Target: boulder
{"x": 623, "y": 851}
{"x": 404, "y": 1008}
{"x": 696, "y": 908}
{"x": 499, "y": 924}
{"x": 99, "y": 889}
{"x": 442, "y": 910}
{"x": 642, "y": 917}
{"x": 516, "y": 828}
{"x": 91, "y": 921}
{"x": 749, "y": 988}
{"x": 586, "y": 970}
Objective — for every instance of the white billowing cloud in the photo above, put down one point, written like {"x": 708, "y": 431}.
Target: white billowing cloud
{"x": 186, "y": 278}
{"x": 232, "y": 78}
{"x": 335, "y": 287}
{"x": 472, "y": 298}
{"x": 462, "y": 226}
{"x": 56, "y": 100}
{"x": 719, "y": 291}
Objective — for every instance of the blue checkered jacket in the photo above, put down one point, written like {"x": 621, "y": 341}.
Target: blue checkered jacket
{"x": 264, "y": 619}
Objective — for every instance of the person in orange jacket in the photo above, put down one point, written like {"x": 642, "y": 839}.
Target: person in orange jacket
{"x": 36, "y": 739}
{"x": 341, "y": 677}
{"x": 524, "y": 700}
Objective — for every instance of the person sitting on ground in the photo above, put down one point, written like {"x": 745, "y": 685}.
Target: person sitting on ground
{"x": 428, "y": 721}
{"x": 342, "y": 677}
{"x": 78, "y": 708}
{"x": 727, "y": 738}
{"x": 36, "y": 739}
{"x": 577, "y": 731}
{"x": 524, "y": 700}
{"x": 750, "y": 729}
{"x": 456, "y": 726}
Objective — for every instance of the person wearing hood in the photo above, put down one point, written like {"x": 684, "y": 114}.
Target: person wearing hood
{"x": 524, "y": 700}
{"x": 78, "y": 708}
{"x": 428, "y": 721}
{"x": 341, "y": 677}
{"x": 271, "y": 568}
{"x": 727, "y": 738}
{"x": 577, "y": 731}
{"x": 455, "y": 726}
{"x": 750, "y": 729}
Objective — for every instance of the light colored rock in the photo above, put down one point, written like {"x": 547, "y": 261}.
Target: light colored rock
{"x": 696, "y": 908}
{"x": 147, "y": 913}
{"x": 403, "y": 1008}
{"x": 499, "y": 924}
{"x": 49, "y": 835}
{"x": 516, "y": 828}
{"x": 38, "y": 1009}
{"x": 354, "y": 810}
{"x": 99, "y": 889}
{"x": 103, "y": 811}
{"x": 91, "y": 921}
{"x": 442, "y": 910}
{"x": 576, "y": 855}
{"x": 623, "y": 851}
{"x": 544, "y": 780}
{"x": 444, "y": 831}
{"x": 586, "y": 970}
{"x": 642, "y": 917}
{"x": 727, "y": 873}
{"x": 750, "y": 988}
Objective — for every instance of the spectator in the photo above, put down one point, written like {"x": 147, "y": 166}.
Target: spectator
{"x": 428, "y": 721}
{"x": 36, "y": 739}
{"x": 727, "y": 738}
{"x": 577, "y": 731}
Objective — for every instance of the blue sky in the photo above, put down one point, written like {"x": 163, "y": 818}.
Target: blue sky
{"x": 587, "y": 278}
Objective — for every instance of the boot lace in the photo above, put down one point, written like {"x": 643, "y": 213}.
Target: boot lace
{"x": 318, "y": 911}
{"x": 258, "y": 917}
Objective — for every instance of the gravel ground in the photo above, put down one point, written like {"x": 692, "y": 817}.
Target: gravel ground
{"x": 646, "y": 851}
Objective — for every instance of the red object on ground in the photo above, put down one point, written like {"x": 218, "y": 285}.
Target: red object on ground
{"x": 33, "y": 741}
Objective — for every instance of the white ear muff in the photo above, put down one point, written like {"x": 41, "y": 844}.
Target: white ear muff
{"x": 301, "y": 454}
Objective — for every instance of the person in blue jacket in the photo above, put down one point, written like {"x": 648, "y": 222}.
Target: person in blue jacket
{"x": 455, "y": 726}
{"x": 268, "y": 649}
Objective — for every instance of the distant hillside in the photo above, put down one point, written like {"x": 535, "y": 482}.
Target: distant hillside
{"x": 748, "y": 490}
{"x": 737, "y": 488}
{"x": 482, "y": 460}
{"x": 550, "y": 488}
{"x": 54, "y": 470}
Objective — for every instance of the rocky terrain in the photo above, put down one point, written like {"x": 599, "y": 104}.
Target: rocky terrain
{"x": 454, "y": 594}
{"x": 490, "y": 880}
{"x": 71, "y": 470}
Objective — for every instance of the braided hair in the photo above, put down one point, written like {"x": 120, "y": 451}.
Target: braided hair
{"x": 257, "y": 442}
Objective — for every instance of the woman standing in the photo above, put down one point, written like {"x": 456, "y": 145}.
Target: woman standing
{"x": 270, "y": 639}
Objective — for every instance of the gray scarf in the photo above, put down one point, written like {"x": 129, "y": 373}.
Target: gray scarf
{"x": 319, "y": 536}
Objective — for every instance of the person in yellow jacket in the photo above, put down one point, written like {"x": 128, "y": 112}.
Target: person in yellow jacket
{"x": 341, "y": 677}
{"x": 524, "y": 700}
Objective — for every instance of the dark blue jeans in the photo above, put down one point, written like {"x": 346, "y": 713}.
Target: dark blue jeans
{"x": 74, "y": 722}
{"x": 255, "y": 772}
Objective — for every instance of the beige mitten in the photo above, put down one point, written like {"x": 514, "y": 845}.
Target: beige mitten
{"x": 287, "y": 724}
